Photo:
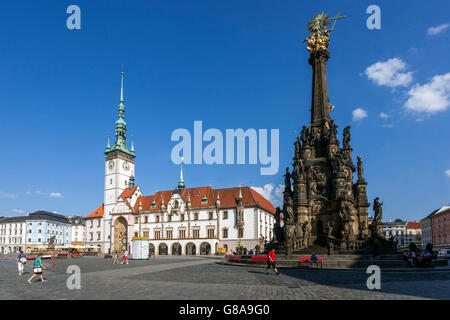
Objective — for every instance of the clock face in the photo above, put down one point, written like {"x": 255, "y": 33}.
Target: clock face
{"x": 110, "y": 164}
{"x": 126, "y": 166}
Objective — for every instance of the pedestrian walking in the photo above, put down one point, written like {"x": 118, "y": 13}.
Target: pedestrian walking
{"x": 125, "y": 257}
{"x": 115, "y": 258}
{"x": 271, "y": 262}
{"x": 37, "y": 270}
{"x": 21, "y": 260}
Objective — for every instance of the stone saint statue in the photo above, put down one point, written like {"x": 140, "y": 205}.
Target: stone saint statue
{"x": 330, "y": 229}
{"x": 333, "y": 130}
{"x": 297, "y": 147}
{"x": 346, "y": 139}
{"x": 304, "y": 136}
{"x": 287, "y": 180}
{"x": 360, "y": 169}
{"x": 289, "y": 209}
{"x": 378, "y": 210}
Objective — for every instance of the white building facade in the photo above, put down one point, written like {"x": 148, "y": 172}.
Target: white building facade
{"x": 12, "y": 234}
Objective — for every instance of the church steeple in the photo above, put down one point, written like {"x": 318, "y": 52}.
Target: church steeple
{"x": 121, "y": 126}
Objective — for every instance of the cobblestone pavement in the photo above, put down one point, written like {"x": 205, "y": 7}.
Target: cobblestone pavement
{"x": 200, "y": 278}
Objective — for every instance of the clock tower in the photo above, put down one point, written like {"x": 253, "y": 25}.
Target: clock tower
{"x": 119, "y": 169}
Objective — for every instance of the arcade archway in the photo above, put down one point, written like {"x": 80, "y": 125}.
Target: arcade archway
{"x": 191, "y": 249}
{"x": 205, "y": 248}
{"x": 120, "y": 235}
{"x": 176, "y": 249}
{"x": 162, "y": 249}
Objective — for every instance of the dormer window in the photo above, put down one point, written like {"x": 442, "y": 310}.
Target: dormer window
{"x": 204, "y": 199}
{"x": 154, "y": 204}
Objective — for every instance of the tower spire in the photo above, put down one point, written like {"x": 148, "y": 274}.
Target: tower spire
{"x": 181, "y": 181}
{"x": 121, "y": 89}
{"x": 121, "y": 125}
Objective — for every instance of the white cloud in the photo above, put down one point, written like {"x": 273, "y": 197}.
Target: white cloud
{"x": 359, "y": 114}
{"x": 447, "y": 173}
{"x": 388, "y": 73}
{"x": 51, "y": 194}
{"x": 7, "y": 195}
{"x": 28, "y": 192}
{"x": 18, "y": 211}
{"x": 55, "y": 195}
{"x": 432, "y": 97}
{"x": 432, "y": 31}
{"x": 266, "y": 191}
{"x": 384, "y": 115}
{"x": 388, "y": 125}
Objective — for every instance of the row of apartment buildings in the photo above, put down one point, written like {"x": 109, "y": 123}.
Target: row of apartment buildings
{"x": 34, "y": 230}
{"x": 404, "y": 233}
{"x": 433, "y": 229}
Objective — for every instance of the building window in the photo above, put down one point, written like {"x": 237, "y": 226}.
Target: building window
{"x": 210, "y": 232}
{"x": 92, "y": 236}
{"x": 169, "y": 218}
{"x": 169, "y": 234}
{"x": 182, "y": 217}
{"x": 98, "y": 235}
{"x": 182, "y": 233}
{"x": 136, "y": 234}
{"x": 136, "y": 220}
{"x": 196, "y": 233}
{"x": 196, "y": 216}
{"x": 157, "y": 234}
{"x": 241, "y": 233}
{"x": 39, "y": 239}
{"x": 29, "y": 240}
{"x": 145, "y": 219}
{"x": 156, "y": 218}
{"x": 146, "y": 234}
{"x": 225, "y": 215}
{"x": 225, "y": 233}
{"x": 210, "y": 215}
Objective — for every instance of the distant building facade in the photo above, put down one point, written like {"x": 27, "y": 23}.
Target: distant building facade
{"x": 78, "y": 231}
{"x": 440, "y": 222}
{"x": 33, "y": 231}
{"x": 414, "y": 233}
{"x": 396, "y": 231}
{"x": 42, "y": 225}
{"x": 12, "y": 234}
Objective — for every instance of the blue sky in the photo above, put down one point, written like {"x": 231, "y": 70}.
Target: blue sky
{"x": 231, "y": 64}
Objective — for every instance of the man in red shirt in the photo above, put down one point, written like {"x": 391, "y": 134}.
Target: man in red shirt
{"x": 271, "y": 262}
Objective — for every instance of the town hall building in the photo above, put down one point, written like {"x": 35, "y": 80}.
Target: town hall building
{"x": 182, "y": 221}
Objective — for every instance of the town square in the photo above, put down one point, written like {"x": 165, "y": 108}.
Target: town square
{"x": 227, "y": 169}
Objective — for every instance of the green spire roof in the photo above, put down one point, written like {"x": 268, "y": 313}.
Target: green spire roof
{"x": 181, "y": 182}
{"x": 121, "y": 126}
{"x": 108, "y": 147}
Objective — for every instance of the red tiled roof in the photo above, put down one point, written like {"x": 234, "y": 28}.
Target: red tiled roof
{"x": 97, "y": 213}
{"x": 228, "y": 198}
{"x": 127, "y": 193}
{"x": 413, "y": 225}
